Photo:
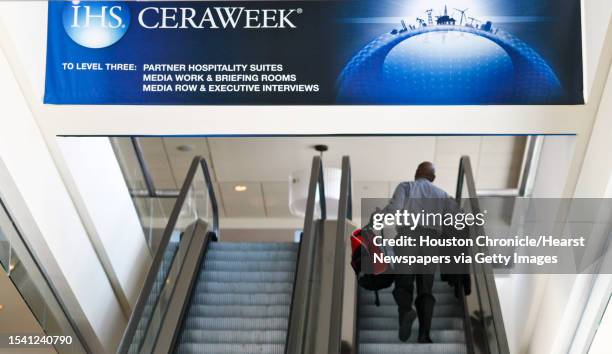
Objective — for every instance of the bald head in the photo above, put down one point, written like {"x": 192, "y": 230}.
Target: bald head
{"x": 426, "y": 170}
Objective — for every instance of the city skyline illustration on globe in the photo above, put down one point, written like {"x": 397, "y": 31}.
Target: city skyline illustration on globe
{"x": 450, "y": 64}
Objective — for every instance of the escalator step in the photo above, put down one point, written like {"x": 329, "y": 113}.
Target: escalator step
{"x": 242, "y": 299}
{"x": 214, "y": 337}
{"x": 259, "y": 246}
{"x": 390, "y": 336}
{"x": 207, "y": 275}
{"x": 244, "y": 288}
{"x": 249, "y": 311}
{"x": 367, "y": 298}
{"x": 192, "y": 348}
{"x": 387, "y": 323}
{"x": 223, "y": 255}
{"x": 247, "y": 266}
{"x": 391, "y": 311}
{"x": 417, "y": 348}
{"x": 438, "y": 287}
{"x": 241, "y": 324}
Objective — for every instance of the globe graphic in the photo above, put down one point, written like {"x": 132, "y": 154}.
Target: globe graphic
{"x": 448, "y": 65}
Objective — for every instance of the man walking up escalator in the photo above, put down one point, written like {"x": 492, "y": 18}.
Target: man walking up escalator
{"x": 418, "y": 196}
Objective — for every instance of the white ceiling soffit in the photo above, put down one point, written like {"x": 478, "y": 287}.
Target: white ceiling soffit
{"x": 263, "y": 165}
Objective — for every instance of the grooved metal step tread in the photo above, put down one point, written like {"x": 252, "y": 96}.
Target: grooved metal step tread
{"x": 391, "y": 336}
{"x": 192, "y": 348}
{"x": 271, "y": 276}
{"x": 413, "y": 348}
{"x": 244, "y": 311}
{"x": 391, "y": 311}
{"x": 249, "y": 265}
{"x": 242, "y": 256}
{"x": 438, "y": 287}
{"x": 244, "y": 287}
{"x": 387, "y": 298}
{"x": 242, "y": 299}
{"x": 253, "y": 246}
{"x": 222, "y": 323}
{"x": 388, "y": 323}
{"x": 233, "y": 337}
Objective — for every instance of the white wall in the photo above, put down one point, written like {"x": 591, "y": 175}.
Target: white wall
{"x": 38, "y": 200}
{"x": 96, "y": 172}
{"x": 522, "y": 295}
{"x": 569, "y": 304}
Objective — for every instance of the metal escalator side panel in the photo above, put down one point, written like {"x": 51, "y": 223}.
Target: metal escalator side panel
{"x": 186, "y": 277}
{"x": 482, "y": 308}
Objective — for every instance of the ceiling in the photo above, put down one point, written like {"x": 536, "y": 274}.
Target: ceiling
{"x": 263, "y": 165}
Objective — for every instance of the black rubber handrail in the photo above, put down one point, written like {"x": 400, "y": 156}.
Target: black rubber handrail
{"x": 345, "y": 213}
{"x": 198, "y": 162}
{"x": 144, "y": 168}
{"x": 296, "y": 331}
{"x": 482, "y": 277}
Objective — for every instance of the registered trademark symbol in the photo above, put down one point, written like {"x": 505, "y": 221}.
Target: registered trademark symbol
{"x": 299, "y": 10}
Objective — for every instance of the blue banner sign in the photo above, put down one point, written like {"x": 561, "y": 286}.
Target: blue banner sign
{"x": 375, "y": 52}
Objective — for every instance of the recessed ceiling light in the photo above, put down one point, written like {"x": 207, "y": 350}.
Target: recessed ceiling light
{"x": 240, "y": 188}
{"x": 185, "y": 148}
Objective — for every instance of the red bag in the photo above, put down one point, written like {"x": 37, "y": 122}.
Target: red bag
{"x": 370, "y": 275}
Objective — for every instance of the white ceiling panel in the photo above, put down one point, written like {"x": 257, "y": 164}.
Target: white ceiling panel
{"x": 154, "y": 152}
{"x": 245, "y": 204}
{"x": 501, "y": 144}
{"x": 496, "y": 178}
{"x": 276, "y": 199}
{"x": 453, "y": 144}
{"x": 258, "y": 159}
{"x": 448, "y": 152}
{"x": 181, "y": 160}
{"x": 155, "y": 155}
{"x": 367, "y": 190}
{"x": 163, "y": 178}
{"x": 273, "y": 159}
{"x": 388, "y": 158}
{"x": 378, "y": 163}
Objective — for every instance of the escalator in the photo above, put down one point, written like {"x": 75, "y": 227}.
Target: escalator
{"x": 203, "y": 295}
{"x": 241, "y": 300}
{"x": 378, "y": 326}
{"x": 470, "y": 324}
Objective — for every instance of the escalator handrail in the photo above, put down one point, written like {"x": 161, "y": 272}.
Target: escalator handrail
{"x": 197, "y": 162}
{"x": 487, "y": 290}
{"x": 345, "y": 213}
{"x": 296, "y": 330}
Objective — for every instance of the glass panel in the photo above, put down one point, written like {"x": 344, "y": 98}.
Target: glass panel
{"x": 154, "y": 215}
{"x": 602, "y": 341}
{"x": 153, "y": 212}
{"x": 5, "y": 252}
{"x": 196, "y": 206}
{"x": 128, "y": 161}
{"x": 25, "y": 274}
